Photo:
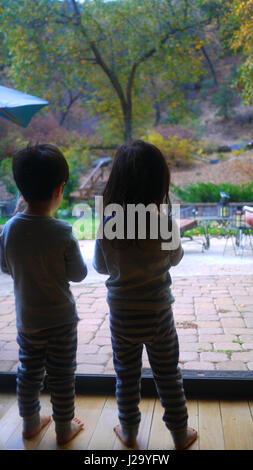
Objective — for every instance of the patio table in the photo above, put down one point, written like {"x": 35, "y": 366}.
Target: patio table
{"x": 204, "y": 222}
{"x": 232, "y": 230}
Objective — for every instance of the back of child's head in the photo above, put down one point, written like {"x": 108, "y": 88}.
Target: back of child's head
{"x": 38, "y": 170}
{"x": 139, "y": 174}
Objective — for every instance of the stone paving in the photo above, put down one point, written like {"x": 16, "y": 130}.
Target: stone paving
{"x": 213, "y": 315}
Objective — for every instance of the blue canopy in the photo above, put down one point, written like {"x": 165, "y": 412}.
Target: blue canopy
{"x": 19, "y": 107}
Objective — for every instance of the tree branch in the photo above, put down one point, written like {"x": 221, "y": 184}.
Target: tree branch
{"x": 210, "y": 65}
{"x": 72, "y": 100}
{"x": 152, "y": 51}
{"x": 99, "y": 59}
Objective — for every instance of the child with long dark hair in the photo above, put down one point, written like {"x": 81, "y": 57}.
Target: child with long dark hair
{"x": 139, "y": 293}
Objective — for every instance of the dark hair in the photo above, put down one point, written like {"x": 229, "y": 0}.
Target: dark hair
{"x": 38, "y": 170}
{"x": 139, "y": 174}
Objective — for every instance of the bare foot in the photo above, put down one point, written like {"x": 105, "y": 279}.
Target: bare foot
{"x": 77, "y": 426}
{"x": 119, "y": 434}
{"x": 191, "y": 437}
{"x": 44, "y": 420}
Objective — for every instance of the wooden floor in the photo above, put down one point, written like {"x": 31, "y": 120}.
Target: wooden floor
{"x": 222, "y": 425}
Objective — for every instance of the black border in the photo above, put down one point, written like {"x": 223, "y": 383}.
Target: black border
{"x": 197, "y": 384}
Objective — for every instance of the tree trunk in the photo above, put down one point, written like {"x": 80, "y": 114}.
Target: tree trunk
{"x": 210, "y": 65}
{"x": 157, "y": 113}
{"x": 155, "y": 100}
{"x": 127, "y": 113}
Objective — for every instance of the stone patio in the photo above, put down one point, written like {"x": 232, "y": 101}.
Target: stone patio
{"x": 213, "y": 312}
{"x": 213, "y": 315}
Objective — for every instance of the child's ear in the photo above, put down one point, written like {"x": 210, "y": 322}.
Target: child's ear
{"x": 59, "y": 189}
{"x": 62, "y": 185}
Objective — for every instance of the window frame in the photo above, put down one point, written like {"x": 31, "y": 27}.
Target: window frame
{"x": 197, "y": 384}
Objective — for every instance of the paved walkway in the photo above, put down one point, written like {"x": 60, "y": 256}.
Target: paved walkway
{"x": 213, "y": 313}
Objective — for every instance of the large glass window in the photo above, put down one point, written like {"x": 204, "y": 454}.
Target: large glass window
{"x": 169, "y": 73}
{"x": 212, "y": 311}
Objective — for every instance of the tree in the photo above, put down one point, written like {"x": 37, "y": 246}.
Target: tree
{"x": 38, "y": 59}
{"x": 4, "y": 59}
{"x": 241, "y": 13}
{"x": 138, "y": 32}
{"x": 224, "y": 100}
{"x": 106, "y": 51}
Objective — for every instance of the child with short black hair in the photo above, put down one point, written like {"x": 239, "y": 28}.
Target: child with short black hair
{"x": 139, "y": 292}
{"x": 42, "y": 256}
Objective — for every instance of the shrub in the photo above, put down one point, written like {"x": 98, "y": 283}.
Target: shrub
{"x": 224, "y": 100}
{"x": 6, "y": 176}
{"x": 207, "y": 86}
{"x": 178, "y": 152}
{"x": 209, "y": 192}
{"x": 45, "y": 128}
{"x": 78, "y": 160}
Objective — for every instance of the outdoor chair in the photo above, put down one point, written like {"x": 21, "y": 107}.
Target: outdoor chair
{"x": 243, "y": 231}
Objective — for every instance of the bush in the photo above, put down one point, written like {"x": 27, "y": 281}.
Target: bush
{"x": 78, "y": 161}
{"x": 209, "y": 192}
{"x": 6, "y": 176}
{"x": 178, "y": 152}
{"x": 224, "y": 100}
{"x": 207, "y": 86}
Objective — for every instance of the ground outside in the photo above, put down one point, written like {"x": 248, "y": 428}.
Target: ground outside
{"x": 213, "y": 313}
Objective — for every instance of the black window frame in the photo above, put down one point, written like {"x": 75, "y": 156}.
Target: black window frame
{"x": 197, "y": 384}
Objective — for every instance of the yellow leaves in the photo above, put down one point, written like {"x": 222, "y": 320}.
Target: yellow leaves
{"x": 199, "y": 45}
{"x": 242, "y": 12}
{"x": 176, "y": 150}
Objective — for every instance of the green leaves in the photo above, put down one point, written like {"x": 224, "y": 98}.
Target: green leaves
{"x": 105, "y": 52}
{"x": 239, "y": 22}
{"x": 209, "y": 192}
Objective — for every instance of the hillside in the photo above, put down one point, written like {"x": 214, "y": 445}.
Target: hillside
{"x": 235, "y": 170}
{"x": 202, "y": 124}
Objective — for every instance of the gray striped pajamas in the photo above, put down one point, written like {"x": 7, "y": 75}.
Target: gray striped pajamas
{"x": 130, "y": 331}
{"x": 53, "y": 351}
{"x": 140, "y": 298}
{"x": 42, "y": 256}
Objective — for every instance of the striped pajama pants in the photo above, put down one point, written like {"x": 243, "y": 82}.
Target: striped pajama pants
{"x": 51, "y": 351}
{"x": 130, "y": 330}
